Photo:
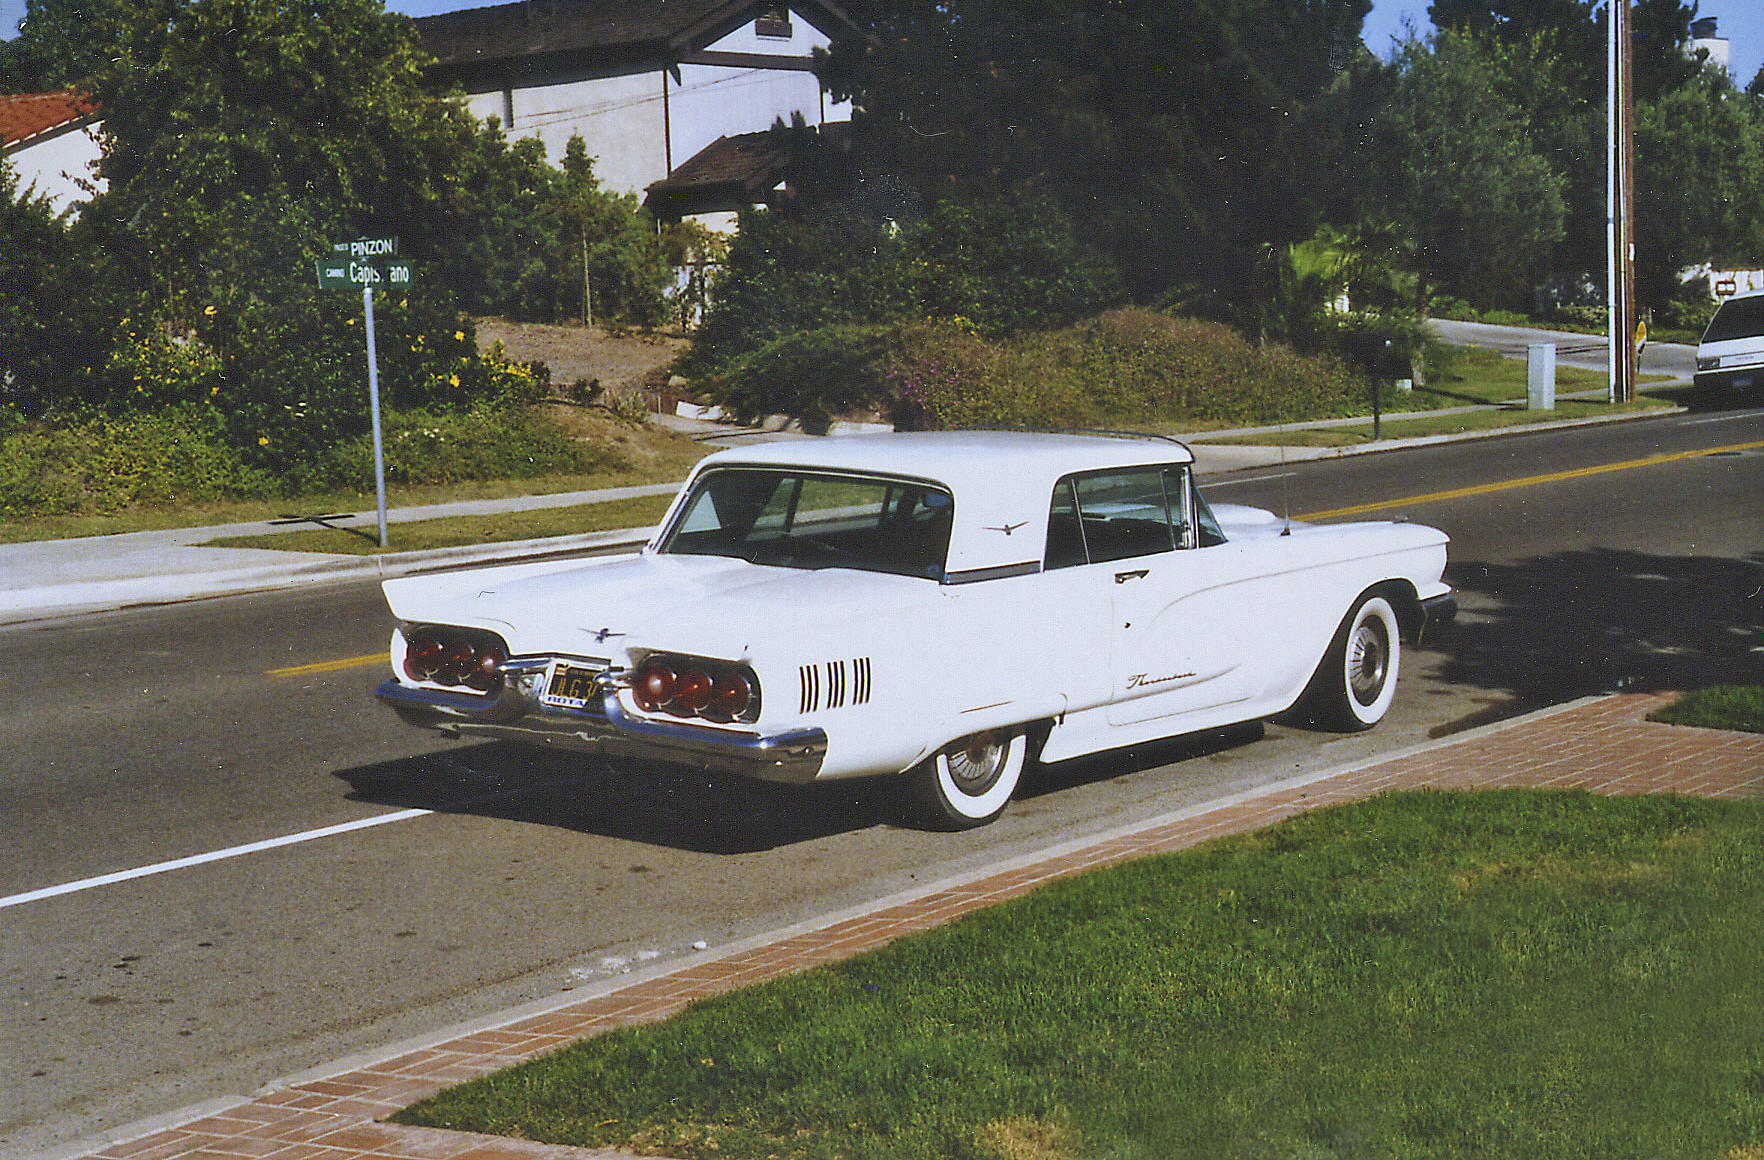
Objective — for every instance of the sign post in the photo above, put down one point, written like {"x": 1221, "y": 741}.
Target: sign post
{"x": 363, "y": 263}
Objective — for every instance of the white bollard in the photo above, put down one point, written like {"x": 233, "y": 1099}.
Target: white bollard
{"x": 1540, "y": 376}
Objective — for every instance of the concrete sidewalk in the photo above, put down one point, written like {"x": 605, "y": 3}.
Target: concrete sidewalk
{"x": 1601, "y": 745}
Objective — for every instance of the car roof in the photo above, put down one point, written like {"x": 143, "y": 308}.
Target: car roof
{"x": 1002, "y": 480}
{"x": 963, "y": 459}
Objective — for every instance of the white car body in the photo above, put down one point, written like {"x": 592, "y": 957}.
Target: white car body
{"x": 1010, "y": 639}
{"x": 1730, "y": 354}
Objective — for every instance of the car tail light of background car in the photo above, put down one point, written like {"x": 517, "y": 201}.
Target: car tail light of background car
{"x": 455, "y": 658}
{"x": 694, "y": 687}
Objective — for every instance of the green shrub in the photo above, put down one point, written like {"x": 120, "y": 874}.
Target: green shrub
{"x": 445, "y": 447}
{"x": 813, "y": 376}
{"x": 102, "y": 466}
{"x": 1127, "y": 367}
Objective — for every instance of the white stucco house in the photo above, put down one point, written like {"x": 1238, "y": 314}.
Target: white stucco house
{"x": 647, "y": 84}
{"x": 50, "y": 142}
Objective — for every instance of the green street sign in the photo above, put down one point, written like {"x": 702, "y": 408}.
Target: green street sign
{"x": 352, "y": 273}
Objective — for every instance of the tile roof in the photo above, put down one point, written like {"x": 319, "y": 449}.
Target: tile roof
{"x": 24, "y": 118}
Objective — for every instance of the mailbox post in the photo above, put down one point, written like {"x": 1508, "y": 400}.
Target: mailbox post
{"x": 363, "y": 262}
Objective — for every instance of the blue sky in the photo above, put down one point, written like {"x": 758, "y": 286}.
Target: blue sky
{"x": 1741, "y": 22}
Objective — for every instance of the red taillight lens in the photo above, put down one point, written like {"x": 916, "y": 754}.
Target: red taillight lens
{"x": 448, "y": 657}
{"x": 456, "y": 660}
{"x": 653, "y": 687}
{"x": 692, "y": 692}
{"x": 485, "y": 673}
{"x": 422, "y": 656}
{"x": 681, "y": 686}
{"x": 730, "y": 695}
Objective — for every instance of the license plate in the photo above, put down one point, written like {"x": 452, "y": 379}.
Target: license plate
{"x": 571, "y": 687}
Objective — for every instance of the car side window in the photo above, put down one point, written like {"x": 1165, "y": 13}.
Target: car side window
{"x": 1118, "y": 515}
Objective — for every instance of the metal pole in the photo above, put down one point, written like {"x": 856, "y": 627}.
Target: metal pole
{"x": 1620, "y": 199}
{"x": 367, "y": 308}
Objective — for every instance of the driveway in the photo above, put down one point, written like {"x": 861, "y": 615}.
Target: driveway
{"x": 1585, "y": 351}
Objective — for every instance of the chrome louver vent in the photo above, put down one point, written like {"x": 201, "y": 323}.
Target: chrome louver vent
{"x": 835, "y": 684}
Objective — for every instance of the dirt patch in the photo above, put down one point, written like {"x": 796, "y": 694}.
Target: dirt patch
{"x": 579, "y": 353}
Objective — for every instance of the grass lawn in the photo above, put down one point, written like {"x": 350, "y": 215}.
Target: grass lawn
{"x": 1502, "y": 974}
{"x": 455, "y": 531}
{"x": 1738, "y": 707}
{"x": 1465, "y": 377}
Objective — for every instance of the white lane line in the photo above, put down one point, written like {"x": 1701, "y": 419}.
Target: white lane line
{"x": 1718, "y": 419}
{"x": 211, "y": 856}
{"x": 1248, "y": 479}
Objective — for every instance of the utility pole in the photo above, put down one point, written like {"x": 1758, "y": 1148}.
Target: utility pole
{"x": 1620, "y": 199}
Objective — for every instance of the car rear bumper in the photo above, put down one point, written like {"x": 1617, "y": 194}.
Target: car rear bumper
{"x": 794, "y": 757}
{"x": 1737, "y": 379}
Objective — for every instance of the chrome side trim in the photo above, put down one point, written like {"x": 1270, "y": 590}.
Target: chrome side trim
{"x": 795, "y": 756}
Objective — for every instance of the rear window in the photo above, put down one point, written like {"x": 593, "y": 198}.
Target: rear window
{"x": 797, "y": 519}
{"x": 1737, "y": 318}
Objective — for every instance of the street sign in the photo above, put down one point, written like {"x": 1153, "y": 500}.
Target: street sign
{"x": 366, "y": 248}
{"x": 367, "y": 263}
{"x": 352, "y": 273}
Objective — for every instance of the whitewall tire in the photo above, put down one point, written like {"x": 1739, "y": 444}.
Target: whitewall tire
{"x": 968, "y": 782}
{"x": 1357, "y": 681}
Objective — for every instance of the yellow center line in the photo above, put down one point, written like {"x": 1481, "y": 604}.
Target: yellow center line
{"x": 378, "y": 658}
{"x": 1525, "y": 481}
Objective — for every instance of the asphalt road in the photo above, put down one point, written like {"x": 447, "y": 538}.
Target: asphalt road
{"x": 484, "y": 875}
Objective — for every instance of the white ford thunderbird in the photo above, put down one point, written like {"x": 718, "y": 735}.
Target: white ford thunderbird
{"x": 944, "y": 606}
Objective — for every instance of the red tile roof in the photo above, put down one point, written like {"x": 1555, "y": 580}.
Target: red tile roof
{"x": 34, "y": 114}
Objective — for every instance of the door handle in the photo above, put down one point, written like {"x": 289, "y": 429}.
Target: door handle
{"x": 1138, "y": 574}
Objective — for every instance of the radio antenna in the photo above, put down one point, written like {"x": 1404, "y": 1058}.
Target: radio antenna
{"x": 1285, "y": 491}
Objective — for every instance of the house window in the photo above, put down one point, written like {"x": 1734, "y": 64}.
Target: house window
{"x": 773, "y": 21}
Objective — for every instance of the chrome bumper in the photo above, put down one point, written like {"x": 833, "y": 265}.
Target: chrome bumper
{"x": 511, "y": 715}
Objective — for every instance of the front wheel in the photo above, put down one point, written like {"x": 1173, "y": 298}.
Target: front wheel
{"x": 1357, "y": 681}
{"x": 968, "y": 782}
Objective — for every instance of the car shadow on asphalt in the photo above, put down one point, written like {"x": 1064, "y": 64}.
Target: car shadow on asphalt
{"x": 630, "y": 800}
{"x": 1552, "y": 628}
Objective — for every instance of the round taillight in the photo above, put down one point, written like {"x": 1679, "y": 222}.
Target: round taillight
{"x": 692, "y": 691}
{"x": 730, "y": 695}
{"x": 422, "y": 656}
{"x": 455, "y": 662}
{"x": 485, "y": 672}
{"x": 653, "y": 686}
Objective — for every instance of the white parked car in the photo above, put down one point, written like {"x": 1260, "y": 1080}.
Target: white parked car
{"x": 1731, "y": 352}
{"x": 943, "y": 606}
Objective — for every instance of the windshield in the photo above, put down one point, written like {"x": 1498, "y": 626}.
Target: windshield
{"x": 798, "y": 519}
{"x": 1737, "y": 318}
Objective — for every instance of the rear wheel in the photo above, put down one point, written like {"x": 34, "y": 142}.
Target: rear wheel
{"x": 968, "y": 782}
{"x": 1356, "y": 683}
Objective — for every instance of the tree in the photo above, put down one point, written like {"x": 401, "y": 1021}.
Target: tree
{"x": 33, "y": 244}
{"x": 1459, "y": 172}
{"x": 241, "y": 135}
{"x": 62, "y": 43}
{"x": 1165, "y": 132}
{"x": 1699, "y": 167}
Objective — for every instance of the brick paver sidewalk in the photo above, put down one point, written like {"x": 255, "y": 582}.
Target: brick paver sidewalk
{"x": 1603, "y": 745}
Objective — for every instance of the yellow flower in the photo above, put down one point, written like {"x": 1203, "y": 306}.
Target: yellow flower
{"x": 459, "y": 336}
{"x": 263, "y": 440}
{"x": 208, "y": 310}
{"x": 453, "y": 380}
